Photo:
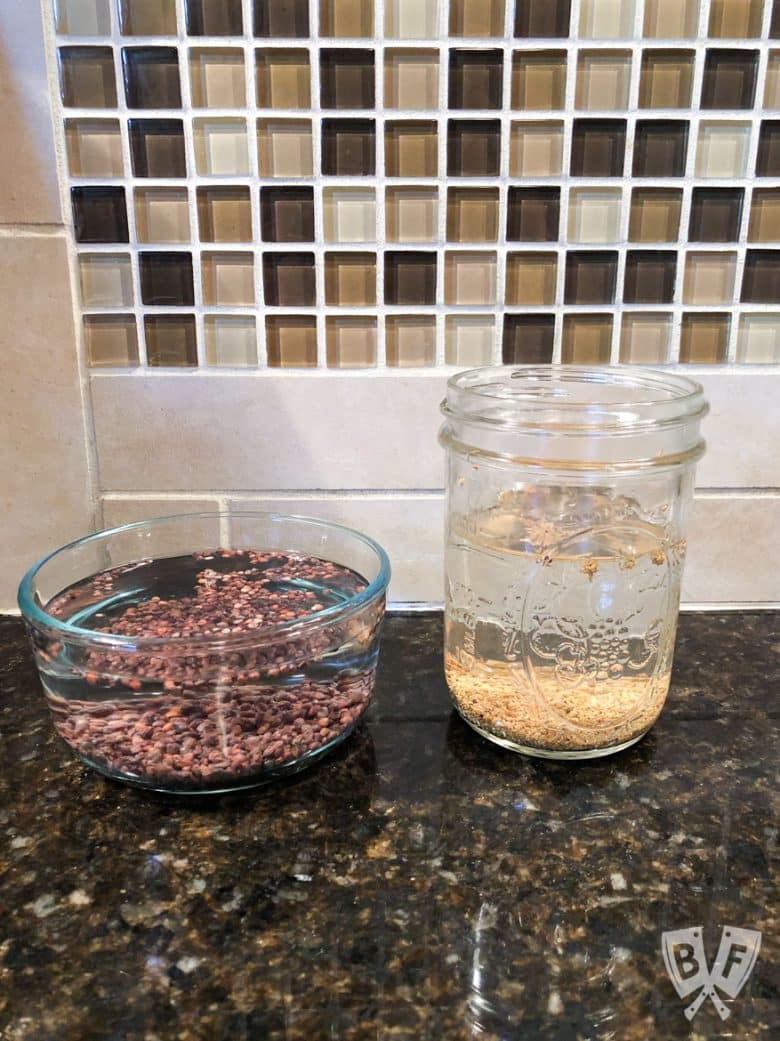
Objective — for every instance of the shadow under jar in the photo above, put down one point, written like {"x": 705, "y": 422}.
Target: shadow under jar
{"x": 207, "y": 652}
{"x": 569, "y": 490}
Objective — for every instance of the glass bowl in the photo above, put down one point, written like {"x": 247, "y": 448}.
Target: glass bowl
{"x": 207, "y": 652}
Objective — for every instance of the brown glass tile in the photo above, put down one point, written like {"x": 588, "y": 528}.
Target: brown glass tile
{"x": 761, "y": 280}
{"x": 772, "y": 82}
{"x": 214, "y": 18}
{"x": 729, "y": 79}
{"x": 473, "y": 147}
{"x": 660, "y": 148}
{"x": 291, "y": 341}
{"x": 533, "y": 214}
{"x": 590, "y": 277}
{"x": 704, "y": 338}
{"x": 287, "y": 214}
{"x": 151, "y": 77}
{"x": 94, "y": 147}
{"x": 774, "y": 25}
{"x": 542, "y": 18}
{"x": 166, "y": 279}
{"x": 472, "y": 214}
{"x": 217, "y": 78}
{"x": 765, "y": 215}
{"x": 224, "y": 214}
{"x": 157, "y": 148}
{"x": 410, "y": 278}
{"x": 410, "y": 340}
{"x": 736, "y": 19}
{"x": 171, "y": 340}
{"x": 162, "y": 215}
{"x": 288, "y": 279}
{"x": 709, "y": 277}
{"x": 411, "y": 78}
{"x": 645, "y": 337}
{"x": 411, "y": 214}
{"x": 598, "y": 147}
{"x": 350, "y": 342}
{"x": 280, "y": 18}
{"x": 283, "y": 78}
{"x": 475, "y": 78}
{"x": 350, "y": 279}
{"x": 650, "y": 276}
{"x": 538, "y": 80}
{"x": 99, "y": 214}
{"x": 411, "y": 148}
{"x": 349, "y": 147}
{"x": 476, "y": 17}
{"x": 715, "y": 214}
{"x": 531, "y": 278}
{"x": 587, "y": 339}
{"x": 347, "y": 18}
{"x": 111, "y": 340}
{"x": 671, "y": 19}
{"x": 768, "y": 159}
{"x": 528, "y": 339}
{"x": 666, "y": 79}
{"x": 347, "y": 78}
{"x": 228, "y": 279}
{"x": 147, "y": 17}
{"x": 87, "y": 77}
{"x": 655, "y": 215}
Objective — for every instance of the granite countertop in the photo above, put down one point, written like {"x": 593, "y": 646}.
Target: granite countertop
{"x": 419, "y": 884}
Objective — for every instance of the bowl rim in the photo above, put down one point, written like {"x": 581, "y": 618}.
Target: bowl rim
{"x": 37, "y": 616}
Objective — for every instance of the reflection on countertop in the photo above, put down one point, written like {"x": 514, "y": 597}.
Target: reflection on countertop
{"x": 419, "y": 884}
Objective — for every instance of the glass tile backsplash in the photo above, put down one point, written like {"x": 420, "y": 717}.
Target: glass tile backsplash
{"x": 348, "y": 184}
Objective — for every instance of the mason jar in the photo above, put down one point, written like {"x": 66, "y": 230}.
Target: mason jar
{"x": 569, "y": 493}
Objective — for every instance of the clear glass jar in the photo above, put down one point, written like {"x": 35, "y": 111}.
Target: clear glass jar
{"x": 569, "y": 491}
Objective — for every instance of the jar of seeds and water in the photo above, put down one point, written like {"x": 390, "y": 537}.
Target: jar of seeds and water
{"x": 569, "y": 491}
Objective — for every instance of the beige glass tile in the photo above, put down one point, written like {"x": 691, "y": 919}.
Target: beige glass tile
{"x": 709, "y": 278}
{"x": 349, "y": 214}
{"x": 106, "y": 280}
{"x": 536, "y": 149}
{"x": 410, "y": 340}
{"x": 228, "y": 279}
{"x": 666, "y": 79}
{"x": 765, "y": 215}
{"x": 587, "y": 339}
{"x": 655, "y": 215}
{"x": 350, "y": 342}
{"x": 538, "y": 80}
{"x": 645, "y": 338}
{"x": 217, "y": 77}
{"x": 350, "y": 279}
{"x": 531, "y": 278}
{"x": 594, "y": 214}
{"x": 411, "y": 78}
{"x": 110, "y": 340}
{"x": 291, "y": 341}
{"x": 704, "y": 338}
{"x": 607, "y": 19}
{"x": 220, "y": 146}
{"x": 772, "y": 85}
{"x": 411, "y": 20}
{"x": 603, "y": 79}
{"x": 94, "y": 147}
{"x": 283, "y": 78}
{"x": 83, "y": 17}
{"x": 735, "y": 19}
{"x": 470, "y": 278}
{"x": 347, "y": 18}
{"x": 671, "y": 19}
{"x": 224, "y": 214}
{"x": 231, "y": 340}
{"x": 472, "y": 215}
{"x": 469, "y": 339}
{"x": 284, "y": 147}
{"x": 411, "y": 214}
{"x": 476, "y": 17}
{"x": 722, "y": 149}
{"x": 758, "y": 340}
{"x": 147, "y": 17}
{"x": 162, "y": 215}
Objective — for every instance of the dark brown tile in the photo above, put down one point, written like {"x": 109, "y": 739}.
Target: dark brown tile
{"x": 147, "y": 17}
{"x": 476, "y": 79}
{"x": 542, "y": 18}
{"x": 598, "y": 148}
{"x": 166, "y": 279}
{"x": 350, "y": 279}
{"x": 650, "y": 276}
{"x": 349, "y": 147}
{"x": 533, "y": 214}
{"x": 410, "y": 278}
{"x": 171, "y": 340}
{"x": 287, "y": 214}
{"x": 761, "y": 280}
{"x": 729, "y": 78}
{"x": 151, "y": 77}
{"x": 655, "y": 215}
{"x": 774, "y": 25}
{"x": 473, "y": 147}
{"x": 288, "y": 279}
{"x": 715, "y": 214}
{"x": 214, "y": 18}
{"x": 99, "y": 214}
{"x": 768, "y": 159}
{"x": 347, "y": 78}
{"x": 538, "y": 80}
{"x": 157, "y": 148}
{"x": 590, "y": 277}
{"x": 281, "y": 18}
{"x": 528, "y": 339}
{"x": 660, "y": 148}
{"x": 87, "y": 77}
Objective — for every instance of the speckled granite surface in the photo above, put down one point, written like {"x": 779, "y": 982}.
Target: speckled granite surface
{"x": 420, "y": 884}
